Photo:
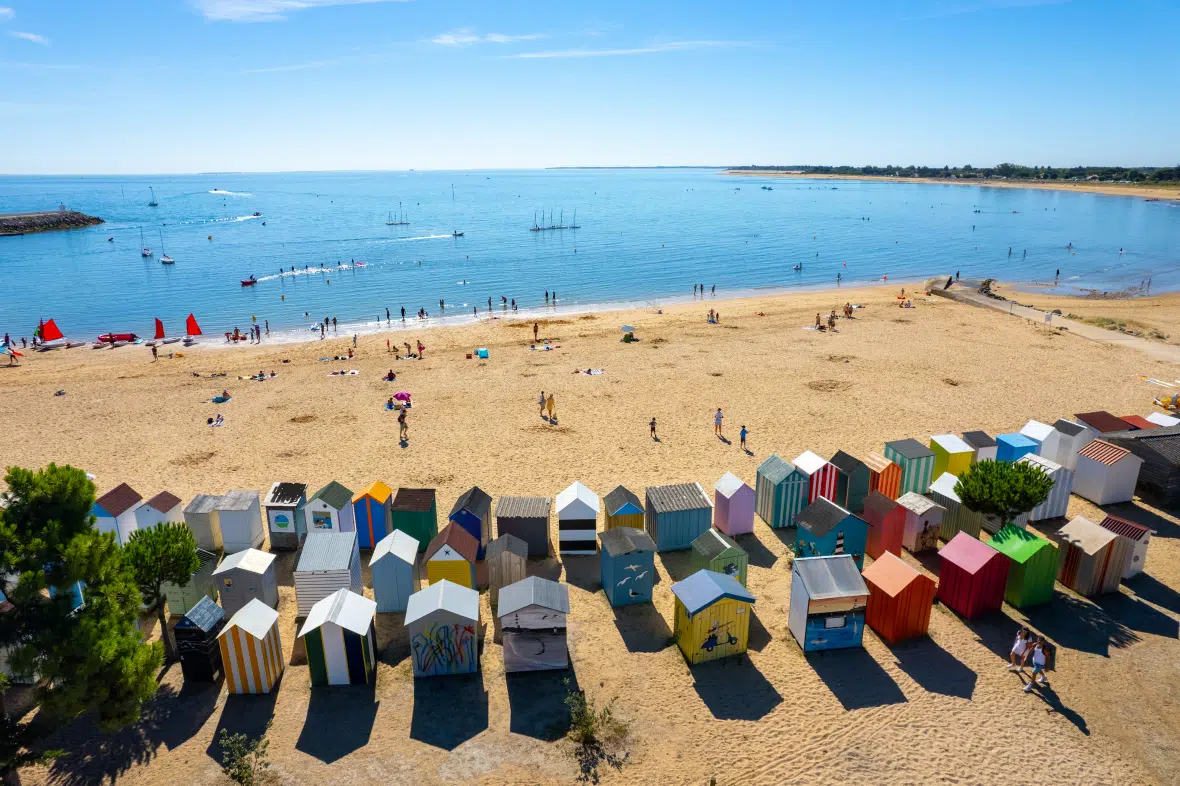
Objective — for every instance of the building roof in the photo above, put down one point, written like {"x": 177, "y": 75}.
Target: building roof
{"x": 910, "y": 449}
{"x": 1068, "y": 427}
{"x": 967, "y": 552}
{"x": 945, "y": 484}
{"x": 917, "y": 503}
{"x": 1139, "y": 422}
{"x": 1016, "y": 440}
{"x": 821, "y": 516}
{"x": 712, "y": 543}
{"x": 978, "y": 439}
{"x": 444, "y": 596}
{"x": 256, "y": 618}
{"x": 507, "y": 543}
{"x": 237, "y": 500}
{"x": 377, "y": 490}
{"x": 119, "y": 500}
{"x": 203, "y": 503}
{"x": 878, "y": 463}
{"x": 533, "y": 591}
{"x": 327, "y": 551}
{"x": 1018, "y": 544}
{"x": 397, "y": 544}
{"x": 1160, "y": 419}
{"x": 845, "y": 463}
{"x": 334, "y": 495}
{"x": 619, "y": 498}
{"x": 576, "y": 496}
{"x": 705, "y": 587}
{"x": 1104, "y": 452}
{"x": 681, "y": 496}
{"x": 1036, "y": 430}
{"x": 204, "y": 616}
{"x": 344, "y": 608}
{"x": 251, "y": 560}
{"x": 1102, "y": 421}
{"x": 475, "y": 501}
{"x": 624, "y": 540}
{"x": 459, "y": 539}
{"x": 1047, "y": 466}
{"x": 163, "y": 502}
{"x": 879, "y": 503}
{"x": 1128, "y": 529}
{"x": 951, "y": 444}
{"x": 414, "y": 500}
{"x": 286, "y": 495}
{"x": 809, "y": 462}
{"x": 729, "y": 484}
{"x": 523, "y": 508}
{"x": 1086, "y": 535}
{"x": 775, "y": 469}
{"x": 890, "y": 574}
{"x": 830, "y": 577}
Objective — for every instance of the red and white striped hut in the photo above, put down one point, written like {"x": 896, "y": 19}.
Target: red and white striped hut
{"x": 822, "y": 474}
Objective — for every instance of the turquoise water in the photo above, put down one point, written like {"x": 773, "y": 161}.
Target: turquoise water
{"x": 646, "y": 236}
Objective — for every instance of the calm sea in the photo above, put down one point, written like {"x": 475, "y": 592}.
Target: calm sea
{"x": 645, "y": 236}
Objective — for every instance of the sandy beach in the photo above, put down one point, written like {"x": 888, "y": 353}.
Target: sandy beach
{"x": 942, "y": 709}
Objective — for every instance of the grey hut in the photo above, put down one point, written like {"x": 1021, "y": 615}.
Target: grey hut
{"x": 852, "y": 482}
{"x": 200, "y": 585}
{"x": 393, "y": 569}
{"x": 532, "y": 615}
{"x": 196, "y": 641}
{"x": 246, "y": 576}
{"x": 200, "y": 516}
{"x": 528, "y": 519}
{"x": 677, "y": 515}
{"x": 1159, "y": 477}
{"x": 330, "y": 561}
{"x": 507, "y": 560}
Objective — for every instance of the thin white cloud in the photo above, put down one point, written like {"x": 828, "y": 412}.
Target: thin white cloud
{"x": 465, "y": 36}
{"x": 6, "y": 13}
{"x": 34, "y": 37}
{"x": 265, "y": 10}
{"x": 671, "y": 46}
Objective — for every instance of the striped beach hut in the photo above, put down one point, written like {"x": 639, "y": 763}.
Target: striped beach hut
{"x": 780, "y": 492}
{"x": 718, "y": 552}
{"x": 828, "y": 600}
{"x": 370, "y": 509}
{"x": 733, "y": 506}
{"x": 951, "y": 454}
{"x": 886, "y": 520}
{"x": 676, "y": 515}
{"x": 201, "y": 584}
{"x": 1057, "y": 502}
{"x": 393, "y": 570}
{"x": 627, "y": 565}
{"x": 1091, "y": 558}
{"x": 821, "y": 475}
{"x": 473, "y": 512}
{"x": 443, "y": 626}
{"x": 330, "y": 510}
{"x": 415, "y": 512}
{"x": 329, "y": 561}
{"x": 916, "y": 462}
{"x": 1071, "y": 437}
{"x": 852, "y": 481}
{"x": 577, "y": 520}
{"x": 1135, "y": 538}
{"x": 984, "y": 446}
{"x": 1032, "y": 567}
{"x": 507, "y": 560}
{"x": 251, "y": 652}
{"x": 923, "y": 522}
{"x": 341, "y": 640}
{"x": 1010, "y": 447}
{"x": 245, "y": 576}
{"x": 900, "y": 599}
{"x": 622, "y": 508}
{"x": 451, "y": 556}
{"x": 884, "y": 475}
{"x": 825, "y": 529}
{"x": 528, "y": 519}
{"x": 957, "y": 517}
{"x": 972, "y": 578}
{"x": 712, "y": 617}
{"x": 1106, "y": 473}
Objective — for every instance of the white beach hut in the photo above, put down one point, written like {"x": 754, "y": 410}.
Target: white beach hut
{"x": 442, "y": 622}
{"x": 330, "y": 510}
{"x": 577, "y": 520}
{"x": 164, "y": 507}
{"x": 1057, "y": 502}
{"x": 115, "y": 512}
{"x": 1106, "y": 473}
{"x": 201, "y": 518}
{"x": 239, "y": 514}
{"x": 1047, "y": 438}
{"x": 1071, "y": 438}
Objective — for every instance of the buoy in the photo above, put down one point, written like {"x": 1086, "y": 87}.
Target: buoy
{"x": 210, "y": 237}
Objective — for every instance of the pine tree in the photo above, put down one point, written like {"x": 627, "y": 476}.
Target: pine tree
{"x": 1004, "y": 489}
{"x": 165, "y": 553}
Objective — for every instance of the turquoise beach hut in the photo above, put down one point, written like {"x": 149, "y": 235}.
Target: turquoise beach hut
{"x": 780, "y": 492}
{"x": 916, "y": 462}
{"x": 1010, "y": 447}
{"x": 627, "y": 565}
{"x": 676, "y": 515}
{"x": 826, "y": 529}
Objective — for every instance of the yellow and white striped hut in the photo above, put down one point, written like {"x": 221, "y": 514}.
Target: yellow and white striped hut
{"x": 251, "y": 653}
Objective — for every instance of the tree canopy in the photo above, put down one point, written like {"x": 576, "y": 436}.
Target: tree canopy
{"x": 1003, "y": 488}
{"x": 165, "y": 553}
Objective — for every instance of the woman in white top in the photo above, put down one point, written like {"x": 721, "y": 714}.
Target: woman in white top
{"x": 1019, "y": 650}
{"x": 717, "y": 422}
{"x": 1040, "y": 657}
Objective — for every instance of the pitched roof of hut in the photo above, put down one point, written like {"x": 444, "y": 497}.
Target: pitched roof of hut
{"x": 830, "y": 577}
{"x": 916, "y": 502}
{"x": 945, "y": 484}
{"x": 711, "y": 544}
{"x": 118, "y": 500}
{"x": 1086, "y": 535}
{"x": 879, "y": 503}
{"x": 1036, "y": 430}
{"x": 1102, "y": 421}
{"x": 1164, "y": 440}
{"x": 444, "y": 596}
{"x": 910, "y": 448}
{"x": 1160, "y": 419}
{"x": 1046, "y": 465}
{"x": 326, "y": 551}
{"x": 237, "y": 500}
{"x": 809, "y": 462}
{"x": 619, "y": 498}
{"x": 728, "y": 485}
{"x": 677, "y": 497}
{"x": 951, "y": 444}
{"x": 967, "y": 552}
{"x": 706, "y": 587}
{"x": 533, "y": 591}
{"x": 475, "y": 501}
{"x": 344, "y": 608}
{"x": 163, "y": 502}
{"x": 821, "y": 516}
{"x": 523, "y": 507}
{"x": 575, "y": 495}
{"x": 1018, "y": 544}
{"x": 251, "y": 560}
{"x": 256, "y": 618}
{"x": 507, "y": 543}
{"x": 397, "y": 543}
{"x": 203, "y": 616}
{"x": 845, "y": 463}
{"x": 203, "y": 503}
{"x": 459, "y": 539}
{"x": 890, "y": 574}
{"x": 1104, "y": 452}
{"x": 624, "y": 540}
{"x": 334, "y": 495}
{"x": 776, "y": 468}
{"x": 877, "y": 463}
{"x": 377, "y": 490}
{"x": 413, "y": 500}
{"x": 978, "y": 439}
{"x": 1128, "y": 529}
{"x": 286, "y": 495}
{"x": 1139, "y": 422}
{"x": 1068, "y": 427}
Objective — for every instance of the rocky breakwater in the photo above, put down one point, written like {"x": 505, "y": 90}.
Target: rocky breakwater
{"x": 28, "y": 223}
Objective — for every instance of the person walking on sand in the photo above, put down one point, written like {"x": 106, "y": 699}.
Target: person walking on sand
{"x": 1019, "y": 651}
{"x": 403, "y": 428}
{"x": 550, "y": 405}
{"x": 742, "y": 434}
{"x": 717, "y": 418}
{"x": 536, "y": 327}
{"x": 541, "y": 403}
{"x": 421, "y": 349}
{"x": 1040, "y": 657}
{"x": 354, "y": 339}
{"x": 653, "y": 428}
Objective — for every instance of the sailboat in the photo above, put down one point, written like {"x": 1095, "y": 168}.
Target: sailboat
{"x": 389, "y": 220}
{"x": 160, "y": 338}
{"x": 153, "y": 203}
{"x": 399, "y": 220}
{"x": 167, "y": 260}
{"x": 145, "y": 251}
{"x": 192, "y": 330}
{"x": 51, "y": 337}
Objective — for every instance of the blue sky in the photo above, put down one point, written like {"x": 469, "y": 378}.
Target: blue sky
{"x": 139, "y": 86}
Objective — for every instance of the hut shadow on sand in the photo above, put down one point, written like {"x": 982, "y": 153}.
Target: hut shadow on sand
{"x": 393, "y": 642}
{"x": 933, "y": 668}
{"x": 1078, "y": 624}
{"x": 1152, "y": 590}
{"x": 449, "y": 710}
{"x": 583, "y": 572}
{"x": 536, "y": 701}
{"x": 677, "y": 564}
{"x": 759, "y": 636}
{"x": 642, "y": 628}
{"x": 733, "y": 689}
{"x": 1138, "y": 616}
{"x": 855, "y": 679}
{"x": 339, "y": 721}
{"x": 760, "y": 556}
{"x": 547, "y": 568}
{"x": 246, "y": 714}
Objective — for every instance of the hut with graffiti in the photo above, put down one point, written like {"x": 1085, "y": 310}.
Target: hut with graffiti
{"x": 442, "y": 622}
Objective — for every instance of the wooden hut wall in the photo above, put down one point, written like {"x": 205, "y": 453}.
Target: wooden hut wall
{"x": 534, "y": 639}
{"x": 677, "y": 529}
{"x": 200, "y": 585}
{"x": 915, "y": 472}
{"x": 628, "y": 578}
{"x": 443, "y": 642}
{"x": 884, "y": 476}
{"x": 716, "y": 631}
{"x": 972, "y": 595}
{"x": 251, "y": 665}
{"x": 905, "y": 615}
{"x": 885, "y": 531}
{"x": 337, "y": 656}
{"x": 778, "y": 504}
{"x": 1091, "y": 575}
{"x": 851, "y": 488}
{"x": 1057, "y": 503}
{"x": 957, "y": 518}
{"x": 504, "y": 569}
{"x": 533, "y": 531}
{"x": 394, "y": 580}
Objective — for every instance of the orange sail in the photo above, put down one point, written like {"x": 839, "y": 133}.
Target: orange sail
{"x": 159, "y": 329}
{"x": 49, "y": 331}
{"x": 191, "y": 327}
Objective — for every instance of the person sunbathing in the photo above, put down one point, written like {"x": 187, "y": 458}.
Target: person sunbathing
{"x": 390, "y": 377}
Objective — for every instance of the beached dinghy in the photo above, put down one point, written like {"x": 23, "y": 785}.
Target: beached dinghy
{"x": 192, "y": 329}
{"x": 51, "y": 337}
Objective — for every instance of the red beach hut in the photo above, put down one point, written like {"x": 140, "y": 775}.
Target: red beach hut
{"x": 900, "y": 599}
{"x": 886, "y": 524}
{"x": 973, "y": 576}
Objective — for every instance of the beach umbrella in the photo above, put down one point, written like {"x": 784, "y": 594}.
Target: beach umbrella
{"x": 628, "y": 328}
{"x": 402, "y": 395}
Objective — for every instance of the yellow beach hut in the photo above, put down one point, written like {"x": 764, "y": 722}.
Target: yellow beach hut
{"x": 712, "y": 616}
{"x": 251, "y": 653}
{"x": 451, "y": 556}
{"x": 951, "y": 454}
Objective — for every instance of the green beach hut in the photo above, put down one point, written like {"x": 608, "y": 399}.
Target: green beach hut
{"x": 1032, "y": 566}
{"x": 716, "y": 551}
{"x": 415, "y": 512}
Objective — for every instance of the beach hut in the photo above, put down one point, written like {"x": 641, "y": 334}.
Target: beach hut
{"x": 528, "y": 519}
{"x": 821, "y": 476}
{"x": 733, "y": 506}
{"x": 196, "y": 641}
{"x": 951, "y": 454}
{"x": 1047, "y": 439}
{"x": 1100, "y": 423}
{"x": 1071, "y": 437}
{"x": 972, "y": 577}
{"x": 507, "y": 560}
{"x": 984, "y": 446}
{"x": 473, "y": 512}
{"x": 393, "y": 571}
{"x": 245, "y": 576}
{"x": 162, "y": 508}
{"x": 826, "y": 529}
{"x": 251, "y": 652}
{"x": 1010, "y": 447}
{"x": 415, "y": 512}
{"x": 957, "y": 517}
{"x": 442, "y": 623}
{"x": 240, "y": 517}
{"x": 1032, "y": 566}
{"x": 285, "y": 520}
{"x": 828, "y": 600}
{"x": 330, "y": 561}
{"x": 1135, "y": 539}
{"x": 627, "y": 565}
{"x": 900, "y": 599}
{"x": 718, "y": 552}
{"x": 780, "y": 492}
{"x": 200, "y": 516}
{"x": 115, "y": 512}
{"x": 341, "y": 640}
{"x": 1159, "y": 448}
{"x": 852, "y": 481}
{"x": 1160, "y": 419}
{"x": 1106, "y": 473}
{"x": 577, "y": 520}
{"x": 330, "y": 510}
{"x": 676, "y": 515}
{"x": 884, "y": 476}
{"x": 533, "y": 614}
{"x": 370, "y": 511}
{"x": 886, "y": 520}
{"x": 201, "y": 584}
{"x": 712, "y": 616}
{"x": 622, "y": 508}
{"x": 1056, "y": 503}
{"x": 916, "y": 462}
{"x": 923, "y": 522}
{"x": 1091, "y": 558}
{"x": 451, "y": 556}
{"x": 1138, "y": 422}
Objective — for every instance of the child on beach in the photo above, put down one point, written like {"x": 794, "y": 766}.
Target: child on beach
{"x": 743, "y": 434}
{"x": 541, "y": 403}
{"x": 653, "y": 428}
{"x": 1040, "y": 657}
{"x": 1019, "y": 650}
{"x": 717, "y": 418}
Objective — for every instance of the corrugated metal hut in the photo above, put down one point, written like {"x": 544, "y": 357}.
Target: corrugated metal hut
{"x": 115, "y": 512}
{"x": 393, "y": 570}
{"x": 330, "y": 510}
{"x": 916, "y": 462}
{"x": 451, "y": 556}
{"x": 473, "y": 512}
{"x": 415, "y": 512}
{"x": 884, "y": 476}
{"x": 533, "y": 614}
{"x": 1135, "y": 538}
{"x": 201, "y": 584}
{"x": 900, "y": 599}
{"x": 1071, "y": 437}
{"x": 712, "y": 616}
{"x": 1106, "y": 473}
{"x": 1032, "y": 567}
{"x": 718, "y": 552}
{"x": 627, "y": 565}
{"x": 828, "y": 600}
{"x": 951, "y": 454}
{"x": 251, "y": 652}
{"x": 240, "y": 518}
{"x": 370, "y": 509}
{"x": 821, "y": 475}
{"x": 956, "y": 518}
{"x": 443, "y": 626}
{"x": 852, "y": 481}
{"x": 780, "y": 492}
{"x": 577, "y": 520}
{"x": 972, "y": 578}
{"x": 676, "y": 515}
{"x": 886, "y": 520}
{"x": 165, "y": 507}
{"x": 507, "y": 560}
{"x": 733, "y": 506}
{"x": 1091, "y": 558}
{"x": 1010, "y": 447}
{"x": 923, "y": 522}
{"x": 826, "y": 529}
{"x": 330, "y": 561}
{"x": 1100, "y": 423}
{"x": 341, "y": 640}
{"x": 983, "y": 445}
{"x": 1159, "y": 448}
{"x": 528, "y": 519}
{"x": 623, "y": 509}
{"x": 196, "y": 641}
{"x": 1055, "y": 504}
{"x": 1047, "y": 439}
{"x": 245, "y": 576}
{"x": 200, "y": 516}
{"x": 284, "y": 515}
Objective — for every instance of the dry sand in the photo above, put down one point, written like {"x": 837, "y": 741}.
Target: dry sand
{"x": 942, "y": 709}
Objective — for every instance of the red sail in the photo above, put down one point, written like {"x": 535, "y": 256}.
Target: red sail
{"x": 159, "y": 329}
{"x": 49, "y": 331}
{"x": 191, "y": 327}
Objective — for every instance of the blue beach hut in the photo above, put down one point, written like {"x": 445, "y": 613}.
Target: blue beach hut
{"x": 373, "y": 514}
{"x": 1010, "y": 447}
{"x": 826, "y": 529}
{"x": 627, "y": 564}
{"x": 473, "y": 512}
{"x": 394, "y": 571}
{"x": 676, "y": 515}
{"x": 828, "y": 602}
{"x": 780, "y": 492}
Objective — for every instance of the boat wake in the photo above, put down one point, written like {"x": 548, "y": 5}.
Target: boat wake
{"x": 229, "y": 219}
{"x": 408, "y": 239}
{"x": 312, "y": 271}
{"x": 219, "y": 192}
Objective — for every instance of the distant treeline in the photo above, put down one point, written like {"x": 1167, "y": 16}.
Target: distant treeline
{"x": 1008, "y": 171}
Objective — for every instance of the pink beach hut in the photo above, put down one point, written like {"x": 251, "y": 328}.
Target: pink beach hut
{"x": 822, "y": 475}
{"x": 733, "y": 506}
